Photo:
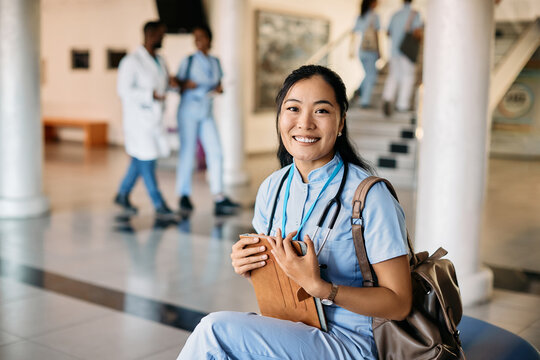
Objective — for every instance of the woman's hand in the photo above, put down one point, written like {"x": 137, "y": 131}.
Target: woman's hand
{"x": 187, "y": 84}
{"x": 304, "y": 270}
{"x": 245, "y": 260}
{"x": 219, "y": 89}
{"x": 174, "y": 82}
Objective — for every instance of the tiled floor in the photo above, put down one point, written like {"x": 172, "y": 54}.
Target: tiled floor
{"x": 187, "y": 264}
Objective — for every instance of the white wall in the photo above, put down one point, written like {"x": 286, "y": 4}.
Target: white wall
{"x": 517, "y": 10}
{"x": 95, "y": 25}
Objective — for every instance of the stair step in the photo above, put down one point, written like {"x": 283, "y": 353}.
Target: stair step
{"x": 359, "y": 114}
{"x": 383, "y": 144}
{"x": 391, "y": 161}
{"x": 400, "y": 178}
{"x": 390, "y": 129}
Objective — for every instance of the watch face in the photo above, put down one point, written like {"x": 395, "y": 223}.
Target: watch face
{"x": 327, "y": 302}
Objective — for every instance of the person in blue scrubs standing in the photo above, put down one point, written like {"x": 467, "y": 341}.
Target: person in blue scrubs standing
{"x": 200, "y": 76}
{"x": 367, "y": 23}
{"x": 313, "y": 147}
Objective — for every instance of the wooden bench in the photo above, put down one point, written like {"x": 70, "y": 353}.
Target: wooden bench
{"x": 95, "y": 131}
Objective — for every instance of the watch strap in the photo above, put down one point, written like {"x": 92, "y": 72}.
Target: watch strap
{"x": 333, "y": 293}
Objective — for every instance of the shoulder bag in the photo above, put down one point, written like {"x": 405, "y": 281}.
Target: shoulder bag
{"x": 369, "y": 38}
{"x": 410, "y": 46}
{"x": 430, "y": 329}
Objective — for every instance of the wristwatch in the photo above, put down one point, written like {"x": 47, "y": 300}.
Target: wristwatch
{"x": 330, "y": 299}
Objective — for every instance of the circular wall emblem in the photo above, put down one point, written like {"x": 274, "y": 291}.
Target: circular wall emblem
{"x": 517, "y": 101}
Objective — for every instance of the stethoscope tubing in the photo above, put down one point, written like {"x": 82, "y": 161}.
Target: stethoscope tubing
{"x": 335, "y": 200}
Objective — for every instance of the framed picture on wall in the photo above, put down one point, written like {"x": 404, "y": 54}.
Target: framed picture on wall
{"x": 80, "y": 59}
{"x": 283, "y": 43}
{"x": 113, "y": 57}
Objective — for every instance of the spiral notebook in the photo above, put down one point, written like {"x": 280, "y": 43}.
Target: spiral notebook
{"x": 280, "y": 297}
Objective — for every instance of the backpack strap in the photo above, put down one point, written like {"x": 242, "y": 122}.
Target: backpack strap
{"x": 188, "y": 67}
{"x": 357, "y": 224}
{"x": 410, "y": 19}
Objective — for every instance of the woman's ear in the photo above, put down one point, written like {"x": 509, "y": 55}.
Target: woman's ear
{"x": 342, "y": 123}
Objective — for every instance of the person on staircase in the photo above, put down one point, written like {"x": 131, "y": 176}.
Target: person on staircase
{"x": 401, "y": 69}
{"x": 367, "y": 25}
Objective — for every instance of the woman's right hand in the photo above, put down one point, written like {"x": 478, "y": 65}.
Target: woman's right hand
{"x": 188, "y": 84}
{"x": 246, "y": 259}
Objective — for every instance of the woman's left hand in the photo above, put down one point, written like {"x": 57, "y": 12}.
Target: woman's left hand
{"x": 304, "y": 270}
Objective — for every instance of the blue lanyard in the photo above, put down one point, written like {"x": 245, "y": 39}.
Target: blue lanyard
{"x": 286, "y": 200}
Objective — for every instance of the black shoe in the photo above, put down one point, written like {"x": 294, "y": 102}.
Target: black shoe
{"x": 185, "y": 204}
{"x": 123, "y": 201}
{"x": 387, "y": 108}
{"x": 226, "y": 207}
{"x": 164, "y": 212}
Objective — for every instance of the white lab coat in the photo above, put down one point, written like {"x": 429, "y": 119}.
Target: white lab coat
{"x": 138, "y": 76}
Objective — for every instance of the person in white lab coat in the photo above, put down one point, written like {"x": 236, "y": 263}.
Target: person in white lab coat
{"x": 142, "y": 82}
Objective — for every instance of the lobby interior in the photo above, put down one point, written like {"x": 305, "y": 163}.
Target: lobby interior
{"x": 85, "y": 281}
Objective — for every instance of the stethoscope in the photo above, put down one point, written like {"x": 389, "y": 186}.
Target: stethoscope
{"x": 334, "y": 201}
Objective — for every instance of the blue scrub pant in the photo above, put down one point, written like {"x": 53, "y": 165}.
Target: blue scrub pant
{"x": 228, "y": 335}
{"x": 205, "y": 129}
{"x": 368, "y": 59}
{"x": 146, "y": 169}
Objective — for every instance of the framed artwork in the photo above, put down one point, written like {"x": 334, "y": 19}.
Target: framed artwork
{"x": 114, "y": 57}
{"x": 284, "y": 42}
{"x": 80, "y": 59}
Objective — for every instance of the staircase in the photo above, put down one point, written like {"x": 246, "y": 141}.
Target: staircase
{"x": 389, "y": 144}
{"x": 506, "y": 35}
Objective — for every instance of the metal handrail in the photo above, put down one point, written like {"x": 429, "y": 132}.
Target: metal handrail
{"x": 328, "y": 47}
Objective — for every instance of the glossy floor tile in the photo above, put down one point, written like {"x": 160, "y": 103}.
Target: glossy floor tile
{"x": 24, "y": 350}
{"x": 116, "y": 336}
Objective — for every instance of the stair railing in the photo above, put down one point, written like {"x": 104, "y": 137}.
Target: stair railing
{"x": 513, "y": 62}
{"x": 327, "y": 48}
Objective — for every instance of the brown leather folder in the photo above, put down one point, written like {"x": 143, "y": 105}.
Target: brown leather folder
{"x": 280, "y": 297}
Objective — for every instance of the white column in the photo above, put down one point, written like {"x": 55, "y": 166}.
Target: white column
{"x": 453, "y": 150}
{"x": 21, "y": 142}
{"x": 231, "y": 24}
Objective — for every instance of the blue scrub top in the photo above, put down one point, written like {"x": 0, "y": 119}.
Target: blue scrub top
{"x": 362, "y": 22}
{"x": 206, "y": 72}
{"x": 396, "y": 28}
{"x": 385, "y": 233}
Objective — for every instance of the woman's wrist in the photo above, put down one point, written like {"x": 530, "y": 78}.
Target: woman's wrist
{"x": 321, "y": 289}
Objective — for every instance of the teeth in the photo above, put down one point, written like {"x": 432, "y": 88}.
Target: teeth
{"x": 305, "y": 139}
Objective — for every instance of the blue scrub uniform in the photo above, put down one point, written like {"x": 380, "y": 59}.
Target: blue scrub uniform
{"x": 233, "y": 335}
{"x": 196, "y": 120}
{"x": 367, "y": 58}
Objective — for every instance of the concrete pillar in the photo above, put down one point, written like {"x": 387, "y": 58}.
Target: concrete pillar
{"x": 21, "y": 141}
{"x": 453, "y": 149}
{"x": 229, "y": 30}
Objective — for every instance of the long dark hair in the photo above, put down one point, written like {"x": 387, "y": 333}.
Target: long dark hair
{"x": 365, "y": 6}
{"x": 343, "y": 145}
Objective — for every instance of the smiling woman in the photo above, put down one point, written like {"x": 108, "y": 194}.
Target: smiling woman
{"x": 309, "y": 123}
{"x": 313, "y": 149}
{"x": 329, "y": 87}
